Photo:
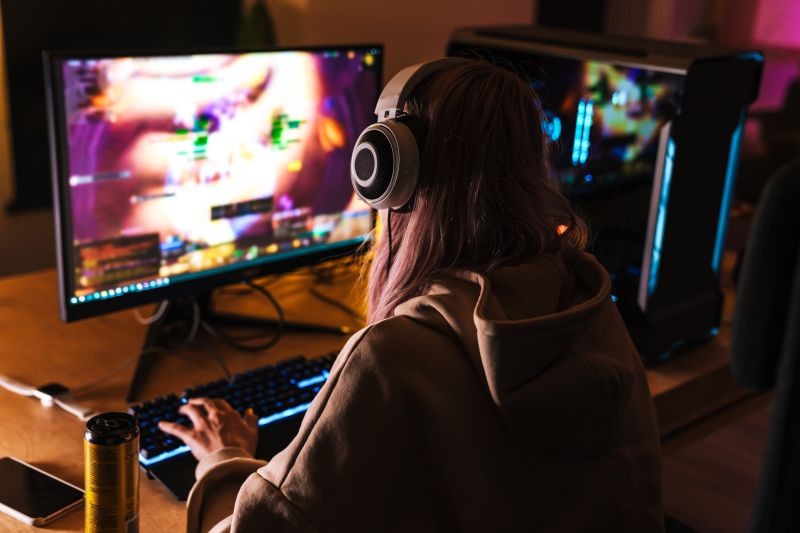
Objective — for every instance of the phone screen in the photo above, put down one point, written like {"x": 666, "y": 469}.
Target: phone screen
{"x": 31, "y": 492}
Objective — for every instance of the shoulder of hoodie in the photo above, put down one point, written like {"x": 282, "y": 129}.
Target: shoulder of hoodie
{"x": 390, "y": 354}
{"x": 395, "y": 344}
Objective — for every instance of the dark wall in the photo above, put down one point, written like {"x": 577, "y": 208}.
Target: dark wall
{"x": 585, "y": 15}
{"x": 31, "y": 26}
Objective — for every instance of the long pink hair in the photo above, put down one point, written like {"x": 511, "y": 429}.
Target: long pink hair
{"x": 486, "y": 196}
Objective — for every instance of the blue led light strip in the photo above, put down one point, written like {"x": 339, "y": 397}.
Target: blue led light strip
{"x": 587, "y": 128}
{"x": 312, "y": 381}
{"x": 160, "y": 457}
{"x": 727, "y": 194}
{"x": 661, "y": 218}
{"x": 283, "y": 414}
{"x": 261, "y": 422}
{"x": 583, "y": 127}
{"x": 576, "y": 143}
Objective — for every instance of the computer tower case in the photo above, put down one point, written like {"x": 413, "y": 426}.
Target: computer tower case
{"x": 647, "y": 135}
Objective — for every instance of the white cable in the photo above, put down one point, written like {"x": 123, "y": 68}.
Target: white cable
{"x": 162, "y": 307}
{"x": 83, "y": 413}
{"x": 64, "y": 401}
{"x": 16, "y": 387}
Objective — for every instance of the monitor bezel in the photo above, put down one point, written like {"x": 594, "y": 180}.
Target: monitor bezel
{"x": 62, "y": 201}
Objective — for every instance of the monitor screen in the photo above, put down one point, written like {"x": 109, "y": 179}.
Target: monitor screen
{"x": 606, "y": 118}
{"x": 173, "y": 168}
{"x": 605, "y": 122}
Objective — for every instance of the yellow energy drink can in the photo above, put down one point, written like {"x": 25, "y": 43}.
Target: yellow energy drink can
{"x": 111, "y": 473}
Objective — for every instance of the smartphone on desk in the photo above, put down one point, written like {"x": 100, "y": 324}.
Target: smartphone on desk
{"x": 34, "y": 496}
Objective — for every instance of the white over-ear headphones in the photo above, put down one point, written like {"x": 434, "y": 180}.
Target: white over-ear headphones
{"x": 385, "y": 163}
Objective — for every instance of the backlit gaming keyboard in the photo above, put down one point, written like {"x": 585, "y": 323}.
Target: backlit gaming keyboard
{"x": 275, "y": 392}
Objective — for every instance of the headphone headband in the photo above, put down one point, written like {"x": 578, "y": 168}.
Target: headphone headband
{"x": 394, "y": 95}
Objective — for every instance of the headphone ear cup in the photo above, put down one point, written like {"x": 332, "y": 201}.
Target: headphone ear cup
{"x": 385, "y": 164}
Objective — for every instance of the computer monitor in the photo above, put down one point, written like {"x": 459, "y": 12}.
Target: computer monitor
{"x": 178, "y": 173}
{"x": 646, "y": 140}
{"x": 608, "y": 123}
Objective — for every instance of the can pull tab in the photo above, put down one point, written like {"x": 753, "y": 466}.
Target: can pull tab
{"x": 108, "y": 424}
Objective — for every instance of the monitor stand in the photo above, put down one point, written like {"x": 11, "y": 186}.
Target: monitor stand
{"x": 176, "y": 321}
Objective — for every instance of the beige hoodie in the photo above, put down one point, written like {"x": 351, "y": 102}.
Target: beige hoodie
{"x": 513, "y": 402}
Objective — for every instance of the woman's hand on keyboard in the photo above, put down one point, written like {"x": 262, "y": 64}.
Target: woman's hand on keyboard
{"x": 215, "y": 426}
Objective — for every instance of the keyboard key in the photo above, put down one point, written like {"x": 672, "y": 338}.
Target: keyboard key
{"x": 151, "y": 450}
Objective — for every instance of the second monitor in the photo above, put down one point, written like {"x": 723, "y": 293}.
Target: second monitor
{"x": 647, "y": 139}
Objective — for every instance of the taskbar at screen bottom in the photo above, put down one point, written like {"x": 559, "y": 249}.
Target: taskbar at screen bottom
{"x": 292, "y": 258}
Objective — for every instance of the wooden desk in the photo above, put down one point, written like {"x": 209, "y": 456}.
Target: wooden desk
{"x": 695, "y": 384}
{"x": 35, "y": 348}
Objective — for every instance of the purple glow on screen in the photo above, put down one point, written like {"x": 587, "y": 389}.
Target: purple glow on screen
{"x": 183, "y": 164}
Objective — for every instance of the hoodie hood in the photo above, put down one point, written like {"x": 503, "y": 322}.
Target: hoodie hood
{"x": 534, "y": 335}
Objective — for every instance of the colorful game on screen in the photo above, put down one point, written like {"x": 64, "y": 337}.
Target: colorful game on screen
{"x": 604, "y": 121}
{"x": 605, "y": 118}
{"x": 180, "y": 165}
